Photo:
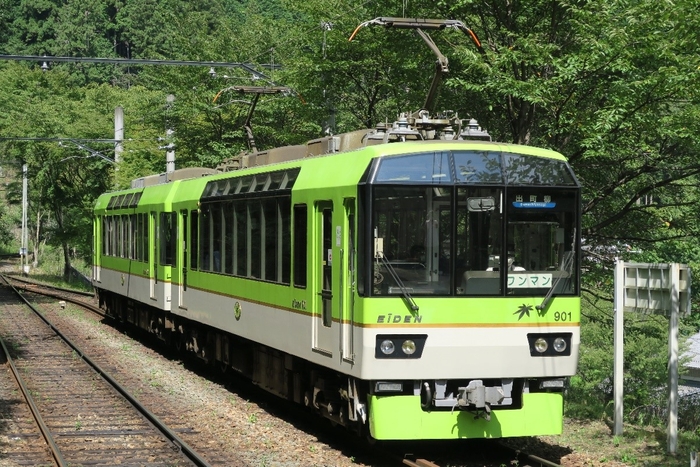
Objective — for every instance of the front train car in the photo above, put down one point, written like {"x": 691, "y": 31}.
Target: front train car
{"x": 413, "y": 290}
{"x": 467, "y": 291}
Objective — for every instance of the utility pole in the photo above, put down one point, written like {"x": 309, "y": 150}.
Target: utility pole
{"x": 170, "y": 146}
{"x": 25, "y": 242}
{"x": 118, "y": 134}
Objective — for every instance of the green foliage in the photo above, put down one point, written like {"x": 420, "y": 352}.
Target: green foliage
{"x": 611, "y": 84}
{"x": 604, "y": 83}
{"x": 645, "y": 366}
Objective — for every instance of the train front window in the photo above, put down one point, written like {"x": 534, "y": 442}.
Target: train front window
{"x": 412, "y": 238}
{"x": 478, "y": 241}
{"x": 474, "y": 223}
{"x": 541, "y": 241}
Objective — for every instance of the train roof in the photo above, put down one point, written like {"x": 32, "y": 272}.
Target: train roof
{"x": 344, "y": 167}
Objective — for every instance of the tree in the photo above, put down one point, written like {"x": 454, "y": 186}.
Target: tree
{"x": 63, "y": 180}
{"x": 619, "y": 104}
{"x": 378, "y": 75}
{"x": 31, "y": 26}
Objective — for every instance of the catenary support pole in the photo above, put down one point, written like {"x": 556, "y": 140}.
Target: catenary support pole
{"x": 618, "y": 335}
{"x": 118, "y": 133}
{"x": 169, "y": 139}
{"x": 24, "y": 249}
{"x": 673, "y": 360}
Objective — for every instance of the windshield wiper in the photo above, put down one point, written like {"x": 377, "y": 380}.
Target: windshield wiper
{"x": 406, "y": 295}
{"x": 567, "y": 266}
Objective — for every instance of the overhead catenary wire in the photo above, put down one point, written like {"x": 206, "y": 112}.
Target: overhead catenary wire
{"x": 307, "y": 32}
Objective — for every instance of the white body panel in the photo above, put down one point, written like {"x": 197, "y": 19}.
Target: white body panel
{"x": 450, "y": 352}
{"x": 472, "y": 353}
{"x": 137, "y": 288}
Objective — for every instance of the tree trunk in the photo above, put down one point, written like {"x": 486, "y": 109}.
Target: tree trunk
{"x": 66, "y": 261}
{"x": 37, "y": 242}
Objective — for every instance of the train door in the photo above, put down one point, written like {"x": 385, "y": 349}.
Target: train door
{"x": 345, "y": 238}
{"x": 323, "y": 278}
{"x": 183, "y": 252}
{"x": 168, "y": 255}
{"x": 153, "y": 257}
{"x": 98, "y": 247}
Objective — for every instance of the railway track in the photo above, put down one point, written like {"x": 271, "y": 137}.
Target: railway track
{"x": 505, "y": 456}
{"x": 509, "y": 457}
{"x": 82, "y": 415}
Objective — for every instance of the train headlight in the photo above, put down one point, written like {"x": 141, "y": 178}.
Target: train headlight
{"x": 541, "y": 345}
{"x": 408, "y": 347}
{"x": 387, "y": 347}
{"x": 399, "y": 346}
{"x": 560, "y": 344}
{"x": 550, "y": 344}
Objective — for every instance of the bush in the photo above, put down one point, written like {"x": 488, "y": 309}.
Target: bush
{"x": 590, "y": 394}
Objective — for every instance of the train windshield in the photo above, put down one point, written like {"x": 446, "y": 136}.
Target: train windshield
{"x": 502, "y": 224}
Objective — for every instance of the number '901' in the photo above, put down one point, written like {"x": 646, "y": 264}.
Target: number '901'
{"x": 562, "y": 316}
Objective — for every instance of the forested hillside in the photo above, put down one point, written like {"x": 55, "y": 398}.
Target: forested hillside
{"x": 613, "y": 85}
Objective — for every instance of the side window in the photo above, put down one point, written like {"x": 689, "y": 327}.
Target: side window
{"x": 228, "y": 238}
{"x": 270, "y": 225}
{"x": 240, "y": 235}
{"x": 204, "y": 239}
{"x": 114, "y": 247}
{"x": 142, "y": 237}
{"x": 133, "y": 233}
{"x": 255, "y": 238}
{"x": 137, "y": 225}
{"x": 146, "y": 236}
{"x": 194, "y": 238}
{"x": 168, "y": 238}
{"x": 300, "y": 238}
{"x": 106, "y": 224}
{"x": 216, "y": 233}
{"x": 122, "y": 239}
{"x": 285, "y": 239}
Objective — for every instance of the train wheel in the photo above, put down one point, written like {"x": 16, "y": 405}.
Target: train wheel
{"x": 342, "y": 417}
{"x": 179, "y": 342}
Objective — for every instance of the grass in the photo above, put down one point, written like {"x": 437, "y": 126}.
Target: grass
{"x": 592, "y": 445}
{"x": 50, "y": 271}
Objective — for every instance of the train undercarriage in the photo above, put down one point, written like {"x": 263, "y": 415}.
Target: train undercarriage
{"x": 341, "y": 399}
{"x": 334, "y": 396}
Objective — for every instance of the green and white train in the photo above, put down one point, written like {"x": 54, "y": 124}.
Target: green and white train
{"x": 421, "y": 289}
{"x": 415, "y": 281}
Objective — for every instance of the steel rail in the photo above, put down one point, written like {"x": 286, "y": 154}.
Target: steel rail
{"x": 46, "y": 433}
{"x": 174, "y": 438}
{"x": 59, "y": 295}
{"x": 543, "y": 462}
{"x": 419, "y": 463}
{"x": 48, "y": 286}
